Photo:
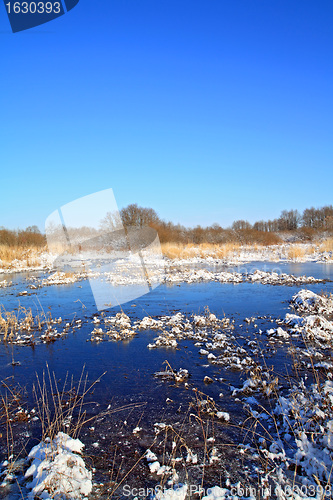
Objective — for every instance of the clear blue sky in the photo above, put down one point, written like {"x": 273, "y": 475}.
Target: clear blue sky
{"x": 207, "y": 111}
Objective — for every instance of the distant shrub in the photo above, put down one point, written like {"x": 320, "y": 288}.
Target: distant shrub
{"x": 7, "y": 237}
{"x": 327, "y": 245}
{"x": 251, "y": 236}
{"x": 307, "y": 233}
{"x": 30, "y": 237}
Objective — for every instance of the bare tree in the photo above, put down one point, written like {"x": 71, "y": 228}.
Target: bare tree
{"x": 289, "y": 220}
{"x": 111, "y": 222}
{"x": 241, "y": 225}
{"x": 133, "y": 215}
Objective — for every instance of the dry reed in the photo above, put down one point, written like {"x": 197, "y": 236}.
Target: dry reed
{"x": 204, "y": 250}
{"x": 10, "y": 254}
{"x": 327, "y": 245}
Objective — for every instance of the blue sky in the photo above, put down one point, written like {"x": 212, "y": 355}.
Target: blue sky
{"x": 206, "y": 111}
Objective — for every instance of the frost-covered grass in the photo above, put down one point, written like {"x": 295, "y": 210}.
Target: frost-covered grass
{"x": 190, "y": 250}
{"x": 306, "y": 414}
{"x": 14, "y": 257}
{"x": 327, "y": 245}
{"x": 292, "y": 434}
{"x": 54, "y": 468}
{"x": 235, "y": 253}
{"x": 21, "y": 326}
{"x": 292, "y": 428}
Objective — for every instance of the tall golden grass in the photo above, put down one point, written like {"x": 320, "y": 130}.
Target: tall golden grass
{"x": 187, "y": 251}
{"x": 8, "y": 254}
{"x": 327, "y": 245}
{"x": 12, "y": 323}
{"x": 296, "y": 252}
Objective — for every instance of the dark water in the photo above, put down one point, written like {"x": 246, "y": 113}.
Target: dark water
{"x": 130, "y": 365}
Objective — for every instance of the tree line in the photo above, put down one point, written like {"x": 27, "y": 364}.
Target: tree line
{"x": 31, "y": 236}
{"x": 304, "y": 226}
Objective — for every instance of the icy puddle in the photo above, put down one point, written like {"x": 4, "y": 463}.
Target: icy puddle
{"x": 191, "y": 380}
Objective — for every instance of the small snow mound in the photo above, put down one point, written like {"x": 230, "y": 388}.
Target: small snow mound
{"x": 57, "y": 471}
{"x": 223, "y": 415}
{"x": 307, "y": 301}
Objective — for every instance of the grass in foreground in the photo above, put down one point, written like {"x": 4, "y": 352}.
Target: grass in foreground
{"x": 22, "y": 321}
{"x": 198, "y": 449}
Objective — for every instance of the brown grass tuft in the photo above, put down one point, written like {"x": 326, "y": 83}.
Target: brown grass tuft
{"x": 296, "y": 252}
{"x": 327, "y": 245}
{"x": 9, "y": 254}
{"x": 188, "y": 251}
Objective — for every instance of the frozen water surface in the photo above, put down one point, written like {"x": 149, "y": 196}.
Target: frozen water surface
{"x": 253, "y": 309}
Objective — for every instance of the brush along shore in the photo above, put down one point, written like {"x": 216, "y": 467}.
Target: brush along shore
{"x": 26, "y": 259}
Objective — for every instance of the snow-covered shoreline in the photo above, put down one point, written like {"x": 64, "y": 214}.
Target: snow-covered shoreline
{"x": 286, "y": 252}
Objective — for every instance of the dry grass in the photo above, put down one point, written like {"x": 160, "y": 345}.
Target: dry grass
{"x": 296, "y": 252}
{"x": 188, "y": 251}
{"x": 9, "y": 254}
{"x": 13, "y": 323}
{"x": 327, "y": 245}
{"x": 61, "y": 408}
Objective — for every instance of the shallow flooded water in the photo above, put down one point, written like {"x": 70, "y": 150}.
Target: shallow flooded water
{"x": 132, "y": 359}
{"x": 128, "y": 367}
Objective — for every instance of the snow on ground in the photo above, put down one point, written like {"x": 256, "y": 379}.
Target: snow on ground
{"x": 34, "y": 261}
{"x": 118, "y": 327}
{"x": 177, "y": 275}
{"x": 286, "y": 252}
{"x": 57, "y": 470}
{"x": 310, "y": 302}
{"x": 313, "y": 319}
{"x": 129, "y": 274}
{"x": 60, "y": 278}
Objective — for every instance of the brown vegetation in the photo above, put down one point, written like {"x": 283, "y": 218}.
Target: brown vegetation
{"x": 327, "y": 245}
{"x": 182, "y": 242}
{"x": 29, "y": 237}
{"x": 306, "y": 227}
{"x": 8, "y": 254}
{"x": 296, "y": 252}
